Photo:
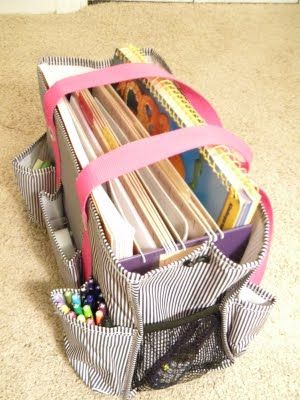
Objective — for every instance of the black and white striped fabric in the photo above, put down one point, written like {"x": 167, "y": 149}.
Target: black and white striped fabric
{"x": 120, "y": 288}
{"x": 31, "y": 182}
{"x": 102, "y": 357}
{"x": 69, "y": 268}
{"x": 244, "y": 314}
{"x": 176, "y": 290}
{"x": 105, "y": 358}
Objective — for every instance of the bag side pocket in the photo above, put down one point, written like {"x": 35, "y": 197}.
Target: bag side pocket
{"x": 32, "y": 181}
{"x": 101, "y": 356}
{"x": 67, "y": 257}
{"x": 244, "y": 314}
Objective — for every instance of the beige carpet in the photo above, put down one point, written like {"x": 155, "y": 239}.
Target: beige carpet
{"x": 245, "y": 59}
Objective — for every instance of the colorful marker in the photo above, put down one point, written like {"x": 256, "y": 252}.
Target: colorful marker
{"x": 64, "y": 309}
{"x": 68, "y": 297}
{"x": 83, "y": 293}
{"x": 90, "y": 285}
{"x": 99, "y": 317}
{"x": 87, "y": 311}
{"x": 81, "y": 318}
{"x": 59, "y": 298}
{"x": 103, "y": 308}
{"x": 72, "y": 315}
{"x": 90, "y": 321}
{"x": 90, "y": 300}
{"x": 77, "y": 308}
{"x": 97, "y": 291}
{"x": 76, "y": 299}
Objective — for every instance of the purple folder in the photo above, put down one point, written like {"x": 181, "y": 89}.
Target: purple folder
{"x": 232, "y": 245}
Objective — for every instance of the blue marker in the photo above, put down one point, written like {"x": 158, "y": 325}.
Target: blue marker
{"x": 90, "y": 300}
{"x": 90, "y": 285}
{"x": 76, "y": 299}
{"x": 83, "y": 293}
{"x": 97, "y": 291}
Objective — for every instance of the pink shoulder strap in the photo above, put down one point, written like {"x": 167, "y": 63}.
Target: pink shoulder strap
{"x": 136, "y": 155}
{"x": 144, "y": 152}
{"x": 111, "y": 75}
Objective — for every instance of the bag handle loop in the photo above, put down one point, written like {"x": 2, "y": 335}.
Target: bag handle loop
{"x": 110, "y": 75}
{"x": 197, "y": 137}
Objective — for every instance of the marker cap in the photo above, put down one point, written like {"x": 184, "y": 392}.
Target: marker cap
{"x": 77, "y": 308}
{"x": 81, "y": 318}
{"x": 87, "y": 311}
{"x": 68, "y": 297}
{"x": 64, "y": 308}
{"x": 76, "y": 299}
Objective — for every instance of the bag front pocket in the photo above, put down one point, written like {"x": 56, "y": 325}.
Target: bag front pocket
{"x": 32, "y": 181}
{"x": 195, "y": 282}
{"x": 180, "y": 350}
{"x": 67, "y": 257}
{"x": 102, "y": 357}
{"x": 244, "y": 315}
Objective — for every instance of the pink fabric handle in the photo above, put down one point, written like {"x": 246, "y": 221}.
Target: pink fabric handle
{"x": 111, "y": 75}
{"x": 120, "y": 73}
{"x": 141, "y": 153}
{"x": 147, "y": 151}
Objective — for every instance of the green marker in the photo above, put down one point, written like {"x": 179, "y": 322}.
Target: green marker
{"x": 46, "y": 164}
{"x": 81, "y": 318}
{"x": 77, "y": 308}
{"x": 38, "y": 164}
{"x": 87, "y": 312}
{"x": 68, "y": 297}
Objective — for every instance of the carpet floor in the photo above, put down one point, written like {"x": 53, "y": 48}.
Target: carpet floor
{"x": 245, "y": 59}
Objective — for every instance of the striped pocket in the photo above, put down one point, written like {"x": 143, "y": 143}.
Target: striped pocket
{"x": 195, "y": 282}
{"x": 67, "y": 257}
{"x": 244, "y": 315}
{"x": 176, "y": 351}
{"x": 102, "y": 357}
{"x": 31, "y": 182}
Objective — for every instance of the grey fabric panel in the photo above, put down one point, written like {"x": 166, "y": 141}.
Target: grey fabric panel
{"x": 69, "y": 172}
{"x": 31, "y": 182}
{"x": 100, "y": 356}
{"x": 259, "y": 238}
{"x": 53, "y": 211}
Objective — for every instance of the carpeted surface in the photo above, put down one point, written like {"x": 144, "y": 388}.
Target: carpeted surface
{"x": 245, "y": 59}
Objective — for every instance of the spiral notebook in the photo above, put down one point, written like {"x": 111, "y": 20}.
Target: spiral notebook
{"x": 152, "y": 213}
{"x": 214, "y": 174}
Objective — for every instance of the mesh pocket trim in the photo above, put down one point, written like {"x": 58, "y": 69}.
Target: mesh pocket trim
{"x": 178, "y": 322}
{"x": 180, "y": 350}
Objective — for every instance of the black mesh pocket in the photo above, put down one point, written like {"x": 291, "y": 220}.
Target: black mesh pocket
{"x": 180, "y": 350}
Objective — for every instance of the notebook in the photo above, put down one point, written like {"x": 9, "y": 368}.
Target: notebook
{"x": 225, "y": 191}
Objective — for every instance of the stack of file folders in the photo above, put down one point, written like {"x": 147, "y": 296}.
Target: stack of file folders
{"x": 156, "y": 214}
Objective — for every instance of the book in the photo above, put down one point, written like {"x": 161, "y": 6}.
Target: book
{"x": 161, "y": 107}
